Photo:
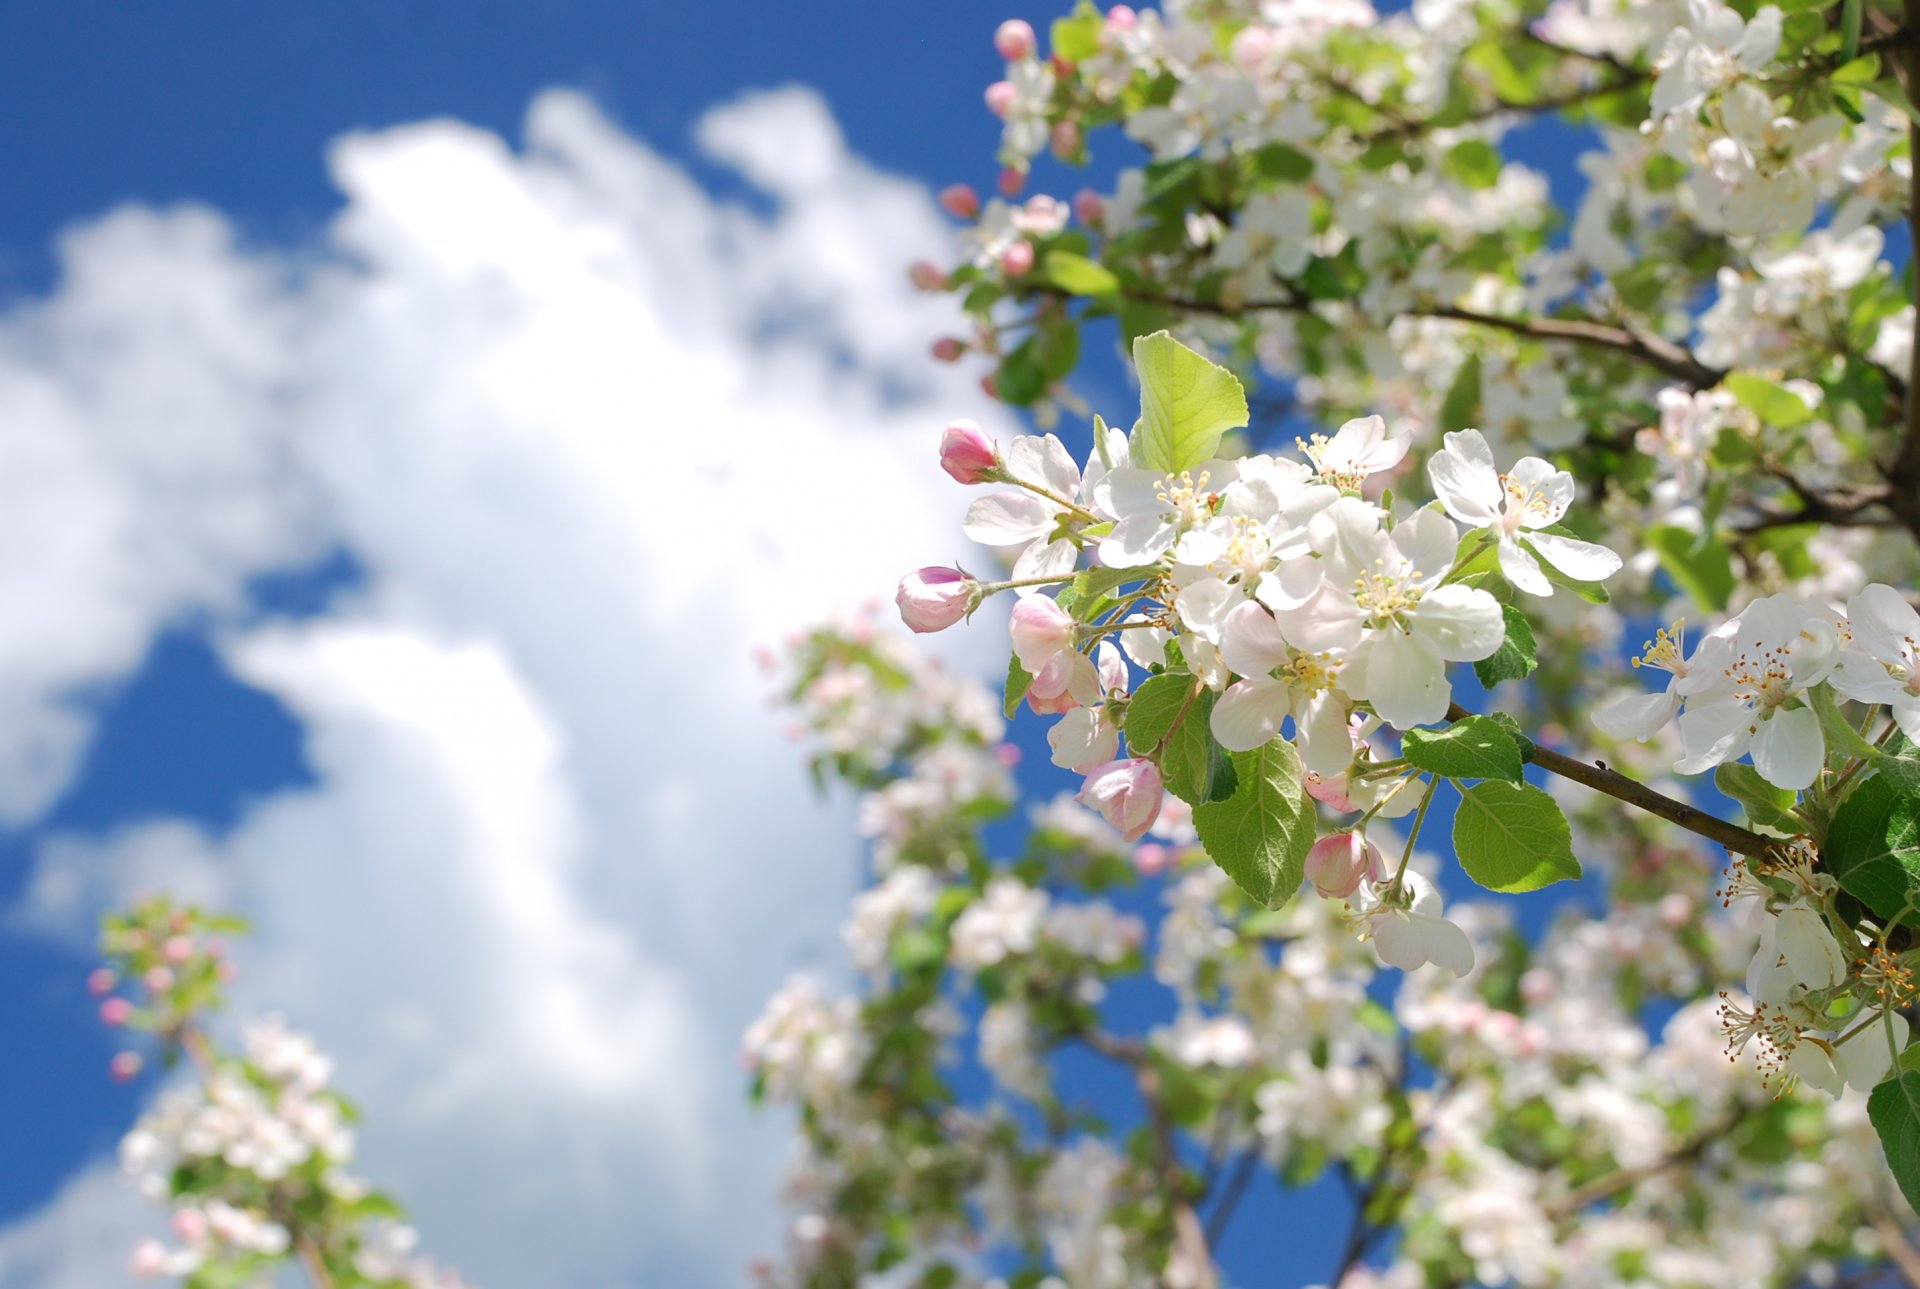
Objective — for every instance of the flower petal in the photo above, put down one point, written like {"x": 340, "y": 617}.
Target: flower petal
{"x": 1581, "y": 561}
{"x": 1007, "y": 518}
{"x": 1788, "y": 749}
{"x": 1465, "y": 479}
{"x": 1248, "y": 715}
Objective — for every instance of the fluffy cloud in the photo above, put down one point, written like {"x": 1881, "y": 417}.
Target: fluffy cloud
{"x": 592, "y": 435}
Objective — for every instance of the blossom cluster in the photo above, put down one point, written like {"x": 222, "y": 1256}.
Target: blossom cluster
{"x": 252, "y": 1154}
{"x": 1520, "y": 1123}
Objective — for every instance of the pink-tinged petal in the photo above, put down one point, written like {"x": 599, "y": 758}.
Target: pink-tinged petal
{"x": 1522, "y": 569}
{"x": 1788, "y": 750}
{"x": 1581, "y": 561}
{"x": 1083, "y": 739}
{"x": 1250, "y": 640}
{"x": 1637, "y": 716}
{"x": 1136, "y": 541}
{"x": 1465, "y": 479}
{"x": 1041, "y": 629}
{"x": 1248, "y": 715}
{"x": 1007, "y": 519}
{"x": 1462, "y": 623}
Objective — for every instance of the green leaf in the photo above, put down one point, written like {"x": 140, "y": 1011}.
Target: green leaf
{"x": 1018, "y": 682}
{"x": 1766, "y": 805}
{"x": 1773, "y": 403}
{"x": 1512, "y": 837}
{"x": 1187, "y": 403}
{"x": 1462, "y": 404}
{"x": 1890, "y": 91}
{"x": 1193, "y": 765}
{"x": 1517, "y": 655}
{"x": 1471, "y": 748}
{"x": 1092, "y": 582}
{"x": 1838, "y": 730}
{"x": 1154, "y": 708}
{"x": 1078, "y": 275}
{"x": 1077, "y": 37}
{"x": 1278, "y": 161}
{"x": 1475, "y": 163}
{"x": 1873, "y": 848}
{"x": 1698, "y": 564}
{"x": 1894, "y": 1109}
{"x": 1261, "y": 834}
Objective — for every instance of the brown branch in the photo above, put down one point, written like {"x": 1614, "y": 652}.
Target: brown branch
{"x": 1899, "y": 1249}
{"x": 1623, "y": 1178}
{"x": 1640, "y": 796}
{"x": 1189, "y": 1236}
{"x": 1903, "y": 476}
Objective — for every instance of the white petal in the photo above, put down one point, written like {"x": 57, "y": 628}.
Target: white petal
{"x": 1637, "y": 716}
{"x": 1136, "y": 541}
{"x": 1465, "y": 479}
{"x": 1007, "y": 519}
{"x": 1427, "y": 540}
{"x": 1883, "y": 622}
{"x": 1330, "y": 620}
{"x": 1866, "y": 1058}
{"x": 1044, "y": 460}
{"x": 1809, "y": 948}
{"x": 1713, "y": 733}
{"x": 1250, "y": 640}
{"x": 1205, "y": 544}
{"x": 1788, "y": 750}
{"x": 1551, "y": 486}
{"x": 1522, "y": 569}
{"x": 1204, "y": 605}
{"x": 1462, "y": 623}
{"x": 1134, "y": 492}
{"x": 1248, "y": 715}
{"x": 1581, "y": 561}
{"x": 1320, "y": 734}
{"x": 1043, "y": 559}
{"x": 1402, "y": 676}
{"x": 1291, "y": 585}
{"x": 1813, "y": 1065}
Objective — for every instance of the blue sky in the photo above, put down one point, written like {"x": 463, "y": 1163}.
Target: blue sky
{"x": 217, "y": 716}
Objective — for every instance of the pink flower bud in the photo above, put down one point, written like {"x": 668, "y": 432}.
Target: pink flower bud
{"x": 1336, "y": 864}
{"x": 116, "y": 1011}
{"x": 967, "y": 453}
{"x": 1062, "y": 67}
{"x": 1150, "y": 858}
{"x": 158, "y": 980}
{"x": 927, "y": 276}
{"x": 934, "y": 598}
{"x": 1122, "y": 18}
{"x": 1053, "y": 703}
{"x": 960, "y": 201}
{"x": 124, "y": 1066}
{"x": 1014, "y": 40}
{"x": 149, "y": 1260}
{"x": 1007, "y": 754}
{"x": 1012, "y": 181}
{"x": 948, "y": 349}
{"x": 1330, "y": 789}
{"x": 1126, "y": 793}
{"x": 1000, "y": 96}
{"x": 1089, "y": 207}
{"x": 101, "y": 980}
{"x": 1017, "y": 259}
{"x": 990, "y": 386}
{"x": 177, "y": 949}
{"x": 1066, "y": 139}
{"x": 1250, "y": 48}
{"x": 190, "y": 1224}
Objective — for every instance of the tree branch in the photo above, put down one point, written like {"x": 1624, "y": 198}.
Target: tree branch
{"x": 1903, "y": 476}
{"x": 1639, "y": 795}
{"x": 1899, "y": 1249}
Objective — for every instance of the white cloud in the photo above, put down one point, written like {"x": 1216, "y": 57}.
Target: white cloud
{"x": 81, "y": 1239}
{"x": 593, "y": 436}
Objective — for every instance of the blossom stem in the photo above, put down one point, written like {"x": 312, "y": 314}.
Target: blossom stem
{"x": 1413, "y": 835}
{"x": 994, "y": 588}
{"x": 1618, "y": 786}
{"x": 1055, "y": 498}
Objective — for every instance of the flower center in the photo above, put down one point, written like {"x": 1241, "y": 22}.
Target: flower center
{"x": 1763, "y": 677}
{"x": 1186, "y": 498}
{"x": 1667, "y": 650}
{"x": 1524, "y": 502}
{"x": 1384, "y": 598}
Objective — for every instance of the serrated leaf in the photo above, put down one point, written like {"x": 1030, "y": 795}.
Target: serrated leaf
{"x": 1092, "y": 582}
{"x": 1078, "y": 275}
{"x": 1261, "y": 834}
{"x": 1153, "y": 709}
{"x": 1517, "y": 655}
{"x": 1873, "y": 848}
{"x": 1512, "y": 837}
{"x": 1077, "y": 37}
{"x": 1187, "y": 403}
{"x": 1471, "y": 748}
{"x": 1766, "y": 805}
{"x": 1018, "y": 683}
{"x": 1894, "y": 1109}
{"x": 1193, "y": 765}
